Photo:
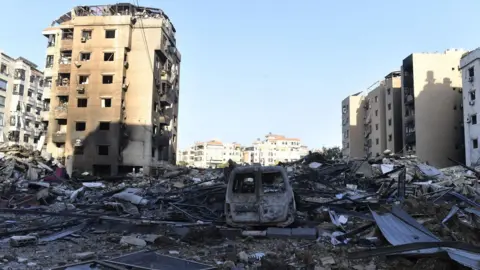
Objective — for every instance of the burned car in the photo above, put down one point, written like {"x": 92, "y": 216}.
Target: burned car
{"x": 259, "y": 196}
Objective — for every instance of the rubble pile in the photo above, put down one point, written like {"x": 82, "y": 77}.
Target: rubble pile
{"x": 384, "y": 213}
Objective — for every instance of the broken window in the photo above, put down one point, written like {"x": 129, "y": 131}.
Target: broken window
{"x": 104, "y": 126}
{"x": 82, "y": 102}
{"x": 110, "y": 33}
{"x": 244, "y": 183}
{"x": 108, "y": 56}
{"x": 85, "y": 56}
{"x": 30, "y": 93}
{"x": 106, "y": 102}
{"x": 67, "y": 33}
{"x": 49, "y": 61}
{"x": 472, "y": 95}
{"x": 389, "y": 91}
{"x": 273, "y": 182}
{"x": 102, "y": 150}
{"x": 63, "y": 79}
{"x": 61, "y": 125}
{"x": 78, "y": 150}
{"x": 83, "y": 79}
{"x": 80, "y": 126}
{"x": 65, "y": 57}
{"x": 63, "y": 99}
{"x": 475, "y": 143}
{"x": 474, "y": 119}
{"x": 87, "y": 34}
{"x": 19, "y": 74}
{"x": 107, "y": 79}
{"x": 18, "y": 89}
{"x": 51, "y": 41}
{"x": 471, "y": 72}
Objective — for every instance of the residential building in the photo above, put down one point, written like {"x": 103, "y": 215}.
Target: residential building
{"x": 375, "y": 140}
{"x": 214, "y": 153}
{"x": 393, "y": 112}
{"x": 470, "y": 68}
{"x": 273, "y": 149}
{"x": 21, "y": 95}
{"x": 353, "y": 126}
{"x": 432, "y": 95}
{"x": 186, "y": 156}
{"x": 112, "y": 77}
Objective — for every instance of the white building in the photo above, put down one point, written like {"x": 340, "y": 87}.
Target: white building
{"x": 21, "y": 101}
{"x": 211, "y": 154}
{"x": 274, "y": 149}
{"x": 470, "y": 67}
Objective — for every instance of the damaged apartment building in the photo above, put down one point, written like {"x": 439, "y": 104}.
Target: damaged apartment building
{"x": 415, "y": 111}
{"x": 21, "y": 102}
{"x": 112, "y": 74}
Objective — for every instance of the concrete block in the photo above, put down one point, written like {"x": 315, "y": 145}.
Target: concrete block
{"x": 279, "y": 232}
{"x": 304, "y": 233}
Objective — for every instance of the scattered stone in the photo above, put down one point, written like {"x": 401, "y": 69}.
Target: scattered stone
{"x": 327, "y": 260}
{"x": 242, "y": 257}
{"x": 84, "y": 256}
{"x": 22, "y": 260}
{"x": 132, "y": 240}
{"x": 31, "y": 264}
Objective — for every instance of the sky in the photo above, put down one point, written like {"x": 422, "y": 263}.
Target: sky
{"x": 250, "y": 67}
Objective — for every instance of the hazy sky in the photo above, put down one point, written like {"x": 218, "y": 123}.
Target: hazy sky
{"x": 250, "y": 67}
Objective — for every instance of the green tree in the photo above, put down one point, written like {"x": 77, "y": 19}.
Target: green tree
{"x": 332, "y": 152}
{"x": 223, "y": 165}
{"x": 182, "y": 163}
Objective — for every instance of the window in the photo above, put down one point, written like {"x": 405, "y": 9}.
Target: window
{"x": 110, "y": 33}
{"x": 474, "y": 119}
{"x": 244, "y": 183}
{"x": 30, "y": 93}
{"x": 473, "y": 95}
{"x": 389, "y": 91}
{"x": 376, "y": 112}
{"x": 390, "y": 137}
{"x": 87, "y": 34}
{"x": 2, "y": 102}
{"x": 82, "y": 102}
{"x": 475, "y": 143}
{"x": 29, "y": 108}
{"x": 376, "y": 126}
{"x": 108, "y": 56}
{"x": 471, "y": 72}
{"x": 49, "y": 61}
{"x": 85, "y": 56}
{"x": 376, "y": 99}
{"x": 78, "y": 150}
{"x": 3, "y": 85}
{"x": 153, "y": 152}
{"x": 83, "y": 79}
{"x": 107, "y": 79}
{"x": 2, "y": 116}
{"x": 80, "y": 126}
{"x": 377, "y": 141}
{"x": 389, "y": 106}
{"x": 39, "y": 97}
{"x": 106, "y": 102}
{"x": 390, "y": 121}
{"x": 3, "y": 69}
{"x": 102, "y": 150}
{"x": 67, "y": 33}
{"x": 104, "y": 126}
{"x": 25, "y": 138}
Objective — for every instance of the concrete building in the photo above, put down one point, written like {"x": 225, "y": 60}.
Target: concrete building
{"x": 274, "y": 149}
{"x": 353, "y": 126}
{"x": 470, "y": 68}
{"x": 393, "y": 112}
{"x": 112, "y": 78}
{"x": 214, "y": 153}
{"x": 432, "y": 98}
{"x": 21, "y": 95}
{"x": 186, "y": 156}
{"x": 375, "y": 140}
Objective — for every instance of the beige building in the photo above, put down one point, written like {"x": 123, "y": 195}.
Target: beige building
{"x": 112, "y": 81}
{"x": 374, "y": 115}
{"x": 21, "y": 101}
{"x": 353, "y": 112}
{"x": 273, "y": 149}
{"x": 393, "y": 112}
{"x": 432, "y": 99}
{"x": 214, "y": 153}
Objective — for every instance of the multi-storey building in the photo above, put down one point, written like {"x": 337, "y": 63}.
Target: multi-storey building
{"x": 112, "y": 77}
{"x": 274, "y": 149}
{"x": 21, "y": 101}
{"x": 432, "y": 98}
{"x": 186, "y": 156}
{"x": 374, "y": 131}
{"x": 353, "y": 126}
{"x": 214, "y": 153}
{"x": 393, "y": 111}
{"x": 470, "y": 68}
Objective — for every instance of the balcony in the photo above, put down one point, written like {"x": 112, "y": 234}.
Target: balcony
{"x": 166, "y": 99}
{"x": 59, "y": 137}
{"x": 61, "y": 112}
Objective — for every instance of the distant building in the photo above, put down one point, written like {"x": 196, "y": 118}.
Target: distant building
{"x": 432, "y": 100}
{"x": 274, "y": 149}
{"x": 211, "y": 154}
{"x": 21, "y": 101}
{"x": 353, "y": 126}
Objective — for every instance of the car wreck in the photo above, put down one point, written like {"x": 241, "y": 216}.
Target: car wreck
{"x": 259, "y": 196}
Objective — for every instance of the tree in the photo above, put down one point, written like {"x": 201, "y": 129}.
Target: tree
{"x": 182, "y": 163}
{"x": 332, "y": 152}
{"x": 223, "y": 165}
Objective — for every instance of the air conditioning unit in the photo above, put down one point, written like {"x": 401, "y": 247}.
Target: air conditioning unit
{"x": 81, "y": 89}
{"x": 83, "y": 39}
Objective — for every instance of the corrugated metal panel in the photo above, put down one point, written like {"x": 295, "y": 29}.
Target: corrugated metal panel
{"x": 406, "y": 231}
